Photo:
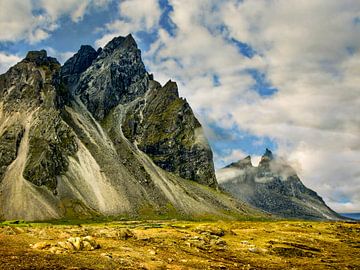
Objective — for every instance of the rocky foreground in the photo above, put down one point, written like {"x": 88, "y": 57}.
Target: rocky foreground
{"x": 181, "y": 245}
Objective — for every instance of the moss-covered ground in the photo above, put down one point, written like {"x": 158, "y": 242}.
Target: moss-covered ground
{"x": 247, "y": 244}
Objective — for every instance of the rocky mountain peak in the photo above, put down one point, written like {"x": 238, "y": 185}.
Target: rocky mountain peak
{"x": 116, "y": 76}
{"x": 268, "y": 154}
{"x": 31, "y": 55}
{"x": 266, "y": 158}
{"x": 123, "y": 141}
{"x": 243, "y": 163}
{"x": 120, "y": 42}
{"x": 30, "y": 82}
{"x": 40, "y": 58}
{"x": 171, "y": 89}
{"x": 274, "y": 187}
{"x": 78, "y": 63}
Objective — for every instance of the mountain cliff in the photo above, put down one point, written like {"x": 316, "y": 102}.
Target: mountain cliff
{"x": 274, "y": 187}
{"x": 99, "y": 136}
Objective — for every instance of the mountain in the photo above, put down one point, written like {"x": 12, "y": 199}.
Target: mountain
{"x": 99, "y": 136}
{"x": 274, "y": 187}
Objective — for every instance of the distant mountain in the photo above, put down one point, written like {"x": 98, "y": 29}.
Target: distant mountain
{"x": 355, "y": 216}
{"x": 274, "y": 187}
{"x": 99, "y": 136}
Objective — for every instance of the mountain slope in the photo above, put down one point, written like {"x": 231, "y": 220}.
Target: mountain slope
{"x": 274, "y": 187}
{"x": 98, "y": 136}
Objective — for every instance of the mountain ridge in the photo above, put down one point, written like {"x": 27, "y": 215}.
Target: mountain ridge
{"x": 274, "y": 187}
{"x": 75, "y": 142}
{"x": 98, "y": 136}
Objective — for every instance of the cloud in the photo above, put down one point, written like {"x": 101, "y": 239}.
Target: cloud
{"x": 234, "y": 155}
{"x": 60, "y": 56}
{"x": 229, "y": 174}
{"x": 34, "y": 20}
{"x": 308, "y": 51}
{"x": 7, "y": 60}
{"x": 315, "y": 116}
{"x": 76, "y": 9}
{"x": 17, "y": 21}
{"x": 136, "y": 15}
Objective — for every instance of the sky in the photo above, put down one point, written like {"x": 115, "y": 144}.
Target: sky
{"x": 282, "y": 74}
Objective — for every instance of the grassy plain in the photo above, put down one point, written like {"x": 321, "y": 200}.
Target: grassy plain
{"x": 184, "y": 245}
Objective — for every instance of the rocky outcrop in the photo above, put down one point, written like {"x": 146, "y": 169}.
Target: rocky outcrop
{"x": 30, "y": 83}
{"x": 117, "y": 76}
{"x": 164, "y": 127}
{"x": 274, "y": 187}
{"x": 30, "y": 88}
{"x": 77, "y": 64}
{"x": 99, "y": 136}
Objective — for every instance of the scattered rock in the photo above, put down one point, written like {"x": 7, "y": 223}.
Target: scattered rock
{"x": 212, "y": 230}
{"x": 8, "y": 230}
{"x": 66, "y": 245}
{"x": 119, "y": 233}
{"x": 292, "y": 252}
{"x": 86, "y": 243}
{"x": 218, "y": 242}
{"x": 257, "y": 250}
{"x": 124, "y": 234}
{"x": 107, "y": 255}
{"x": 76, "y": 242}
{"x": 152, "y": 252}
{"x": 206, "y": 242}
{"x": 56, "y": 250}
{"x": 41, "y": 245}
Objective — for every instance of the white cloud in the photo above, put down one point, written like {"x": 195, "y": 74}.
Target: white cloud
{"x": 7, "y": 60}
{"x": 234, "y": 155}
{"x": 34, "y": 20}
{"x": 143, "y": 13}
{"x": 17, "y": 21}
{"x": 60, "y": 56}
{"x": 76, "y": 9}
{"x": 315, "y": 116}
{"x": 136, "y": 15}
{"x": 309, "y": 51}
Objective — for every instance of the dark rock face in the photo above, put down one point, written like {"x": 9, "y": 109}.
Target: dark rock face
{"x": 160, "y": 123}
{"x": 51, "y": 143}
{"x": 9, "y": 144}
{"x": 99, "y": 136}
{"x": 32, "y": 87}
{"x": 30, "y": 82}
{"x": 77, "y": 64}
{"x": 40, "y": 58}
{"x": 164, "y": 127}
{"x": 274, "y": 187}
{"x": 117, "y": 76}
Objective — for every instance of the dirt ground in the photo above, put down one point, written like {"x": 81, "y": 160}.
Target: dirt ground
{"x": 182, "y": 245}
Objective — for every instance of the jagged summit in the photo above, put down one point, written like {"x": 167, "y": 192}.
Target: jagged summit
{"x": 266, "y": 158}
{"x": 98, "y": 136}
{"x": 39, "y": 58}
{"x": 116, "y": 76}
{"x": 246, "y": 162}
{"x": 80, "y": 61}
{"x": 268, "y": 154}
{"x": 120, "y": 42}
{"x": 33, "y": 55}
{"x": 274, "y": 187}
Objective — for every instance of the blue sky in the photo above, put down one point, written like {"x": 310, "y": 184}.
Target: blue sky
{"x": 278, "y": 74}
